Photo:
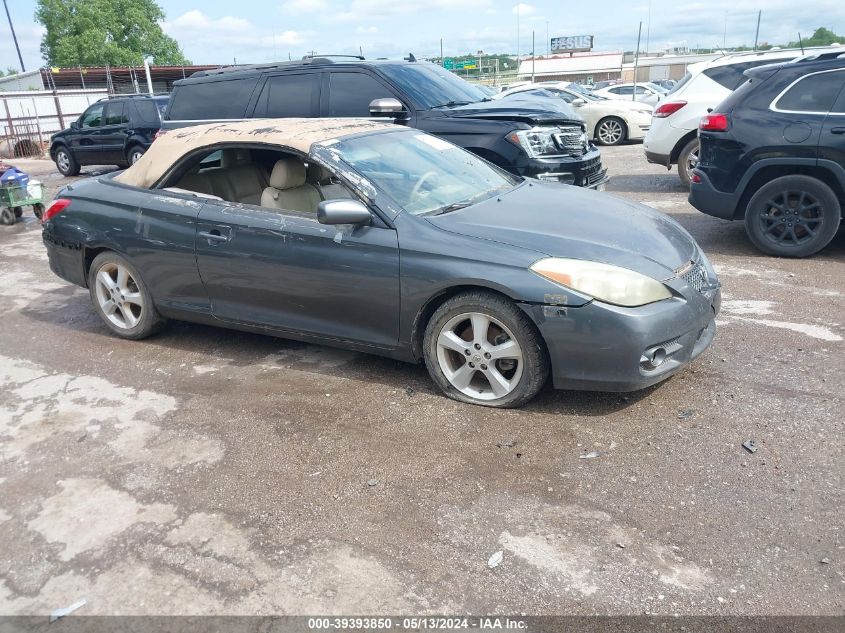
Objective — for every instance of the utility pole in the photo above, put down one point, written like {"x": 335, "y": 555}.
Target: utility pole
{"x": 533, "y": 56}
{"x": 637, "y": 61}
{"x": 517, "y": 39}
{"x": 441, "y": 51}
{"x": 548, "y": 41}
{"x": 648, "y": 29}
{"x": 757, "y": 34}
{"x": 14, "y": 37}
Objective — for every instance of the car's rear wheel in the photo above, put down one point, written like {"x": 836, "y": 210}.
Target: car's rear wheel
{"x": 134, "y": 154}
{"x": 793, "y": 216}
{"x": 121, "y": 298}
{"x": 611, "y": 131}
{"x": 65, "y": 162}
{"x": 687, "y": 161}
{"x": 480, "y": 348}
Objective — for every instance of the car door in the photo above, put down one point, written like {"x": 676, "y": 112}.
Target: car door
{"x": 111, "y": 135}
{"x": 832, "y": 139}
{"x": 285, "y": 271}
{"x": 84, "y": 142}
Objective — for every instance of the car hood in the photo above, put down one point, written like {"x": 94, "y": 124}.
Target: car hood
{"x": 532, "y": 110}
{"x": 564, "y": 221}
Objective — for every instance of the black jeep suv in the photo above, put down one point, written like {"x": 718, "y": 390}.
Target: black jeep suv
{"x": 526, "y": 138}
{"x": 773, "y": 154}
{"x": 113, "y": 131}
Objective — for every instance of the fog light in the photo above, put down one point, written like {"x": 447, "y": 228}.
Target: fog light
{"x": 653, "y": 358}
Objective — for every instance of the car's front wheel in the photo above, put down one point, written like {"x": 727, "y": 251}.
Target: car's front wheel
{"x": 480, "y": 348}
{"x": 793, "y": 216}
{"x": 135, "y": 152}
{"x": 65, "y": 162}
{"x": 121, "y": 298}
{"x": 611, "y": 131}
{"x": 687, "y": 161}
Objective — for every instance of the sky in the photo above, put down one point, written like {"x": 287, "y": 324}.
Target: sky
{"x": 255, "y": 31}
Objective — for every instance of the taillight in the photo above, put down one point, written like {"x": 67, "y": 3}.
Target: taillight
{"x": 714, "y": 123}
{"x": 668, "y": 108}
{"x": 59, "y": 205}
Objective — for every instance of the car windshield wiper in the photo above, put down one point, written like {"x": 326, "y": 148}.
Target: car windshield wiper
{"x": 452, "y": 207}
{"x": 450, "y": 104}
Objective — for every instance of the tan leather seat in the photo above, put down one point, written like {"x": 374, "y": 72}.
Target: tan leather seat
{"x": 246, "y": 180}
{"x": 288, "y": 189}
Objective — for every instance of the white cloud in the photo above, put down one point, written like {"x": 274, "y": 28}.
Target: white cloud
{"x": 196, "y": 19}
{"x": 523, "y": 9}
{"x": 304, "y": 6}
{"x": 367, "y": 30}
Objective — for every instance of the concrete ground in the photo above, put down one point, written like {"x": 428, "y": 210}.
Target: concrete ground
{"x": 206, "y": 471}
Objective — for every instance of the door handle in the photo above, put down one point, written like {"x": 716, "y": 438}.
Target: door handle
{"x": 837, "y": 130}
{"x": 214, "y": 236}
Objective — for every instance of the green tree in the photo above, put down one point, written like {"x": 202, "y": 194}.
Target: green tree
{"x": 820, "y": 37}
{"x": 100, "y": 32}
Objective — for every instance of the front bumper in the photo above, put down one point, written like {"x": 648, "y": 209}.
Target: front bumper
{"x": 600, "y": 347}
{"x": 707, "y": 199}
{"x": 583, "y": 171}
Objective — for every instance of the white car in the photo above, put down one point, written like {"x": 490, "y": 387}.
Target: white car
{"x": 673, "y": 136}
{"x": 645, "y": 92}
{"x": 609, "y": 121}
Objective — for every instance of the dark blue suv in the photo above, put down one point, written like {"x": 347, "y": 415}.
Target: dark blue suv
{"x": 113, "y": 131}
{"x": 773, "y": 154}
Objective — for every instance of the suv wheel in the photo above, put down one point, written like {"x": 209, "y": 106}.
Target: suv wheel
{"x": 687, "y": 161}
{"x": 611, "y": 131}
{"x": 793, "y": 216}
{"x": 65, "y": 162}
{"x": 480, "y": 348}
{"x": 135, "y": 153}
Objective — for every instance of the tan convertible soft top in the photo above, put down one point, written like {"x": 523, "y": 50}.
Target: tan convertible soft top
{"x": 298, "y": 134}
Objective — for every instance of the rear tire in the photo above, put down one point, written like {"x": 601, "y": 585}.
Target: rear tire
{"x": 7, "y": 216}
{"x": 121, "y": 298}
{"x": 38, "y": 210}
{"x": 134, "y": 154}
{"x": 611, "y": 131}
{"x": 481, "y": 349}
{"x": 793, "y": 216}
{"x": 687, "y": 161}
{"x": 65, "y": 162}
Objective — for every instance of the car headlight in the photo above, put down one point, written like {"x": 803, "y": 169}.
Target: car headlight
{"x": 536, "y": 142}
{"x": 610, "y": 284}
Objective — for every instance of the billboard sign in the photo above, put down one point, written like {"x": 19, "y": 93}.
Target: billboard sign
{"x": 572, "y": 44}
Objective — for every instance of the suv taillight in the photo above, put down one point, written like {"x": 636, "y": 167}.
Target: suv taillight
{"x": 59, "y": 205}
{"x": 667, "y": 109}
{"x": 714, "y": 123}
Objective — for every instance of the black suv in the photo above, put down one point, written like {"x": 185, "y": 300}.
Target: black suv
{"x": 773, "y": 153}
{"x": 528, "y": 139}
{"x": 113, "y": 131}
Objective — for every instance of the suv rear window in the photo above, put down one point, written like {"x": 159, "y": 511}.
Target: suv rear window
{"x": 813, "y": 93}
{"x": 149, "y": 110}
{"x": 211, "y": 99}
{"x": 289, "y": 95}
{"x": 731, "y": 75}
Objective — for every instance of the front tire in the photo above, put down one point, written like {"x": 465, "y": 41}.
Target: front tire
{"x": 687, "y": 161}
{"x": 481, "y": 349}
{"x": 793, "y": 216}
{"x": 121, "y": 298}
{"x": 611, "y": 131}
{"x": 65, "y": 162}
{"x": 7, "y": 216}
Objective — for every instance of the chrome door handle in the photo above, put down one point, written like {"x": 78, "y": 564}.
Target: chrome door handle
{"x": 214, "y": 236}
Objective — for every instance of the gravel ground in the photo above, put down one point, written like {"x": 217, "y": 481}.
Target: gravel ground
{"x": 216, "y": 472}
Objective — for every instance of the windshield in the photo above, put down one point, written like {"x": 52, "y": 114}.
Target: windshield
{"x": 585, "y": 92}
{"x": 431, "y": 86}
{"x": 423, "y": 173}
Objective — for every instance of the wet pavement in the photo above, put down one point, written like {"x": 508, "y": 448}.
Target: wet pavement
{"x": 217, "y": 472}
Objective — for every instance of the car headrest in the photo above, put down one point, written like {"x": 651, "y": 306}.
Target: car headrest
{"x": 287, "y": 174}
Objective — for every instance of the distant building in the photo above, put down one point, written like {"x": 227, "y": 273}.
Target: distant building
{"x": 22, "y": 81}
{"x": 581, "y": 67}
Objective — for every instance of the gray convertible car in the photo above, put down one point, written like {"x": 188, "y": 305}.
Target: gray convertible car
{"x": 387, "y": 240}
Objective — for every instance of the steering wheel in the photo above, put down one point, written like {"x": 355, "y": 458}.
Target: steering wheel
{"x": 419, "y": 184}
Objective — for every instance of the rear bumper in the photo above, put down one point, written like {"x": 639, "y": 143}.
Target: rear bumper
{"x": 707, "y": 199}
{"x": 599, "y": 347}
{"x": 658, "y": 159}
{"x": 66, "y": 258}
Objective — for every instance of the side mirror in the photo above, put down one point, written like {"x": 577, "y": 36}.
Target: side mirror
{"x": 578, "y": 102}
{"x": 389, "y": 107}
{"x": 74, "y": 125}
{"x": 343, "y": 212}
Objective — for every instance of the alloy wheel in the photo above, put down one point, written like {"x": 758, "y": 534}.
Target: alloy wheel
{"x": 610, "y": 132}
{"x": 479, "y": 356}
{"x": 63, "y": 161}
{"x": 692, "y": 160}
{"x": 791, "y": 217}
{"x": 118, "y": 296}
{"x": 135, "y": 156}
